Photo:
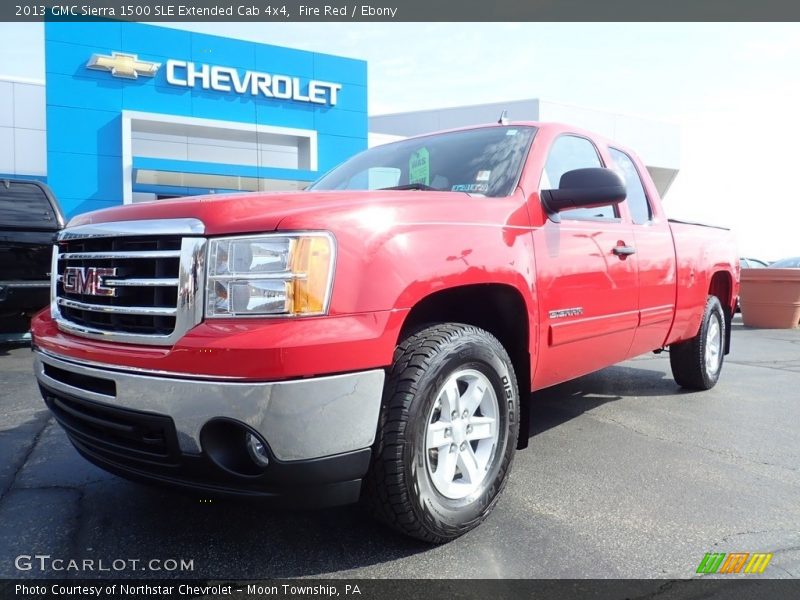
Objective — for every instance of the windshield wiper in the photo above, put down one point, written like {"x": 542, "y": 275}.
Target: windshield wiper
{"x": 413, "y": 186}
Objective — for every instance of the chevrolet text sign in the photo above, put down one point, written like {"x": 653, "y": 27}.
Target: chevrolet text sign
{"x": 226, "y": 79}
{"x": 222, "y": 79}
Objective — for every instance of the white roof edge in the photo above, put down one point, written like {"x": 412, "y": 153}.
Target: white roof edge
{"x": 459, "y": 106}
{"x": 541, "y": 100}
{"x": 619, "y": 113}
{"x": 28, "y": 80}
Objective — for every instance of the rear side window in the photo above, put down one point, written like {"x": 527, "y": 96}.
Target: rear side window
{"x": 637, "y": 198}
{"x": 567, "y": 153}
{"x": 25, "y": 205}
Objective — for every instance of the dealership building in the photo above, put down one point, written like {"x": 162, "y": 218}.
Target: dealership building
{"x": 131, "y": 112}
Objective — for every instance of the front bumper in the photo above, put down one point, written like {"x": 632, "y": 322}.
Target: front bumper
{"x": 145, "y": 425}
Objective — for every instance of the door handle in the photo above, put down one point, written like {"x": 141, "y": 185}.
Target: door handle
{"x": 623, "y": 251}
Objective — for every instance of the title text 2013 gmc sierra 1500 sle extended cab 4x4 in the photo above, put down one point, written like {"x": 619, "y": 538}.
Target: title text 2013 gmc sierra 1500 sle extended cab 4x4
{"x": 377, "y": 335}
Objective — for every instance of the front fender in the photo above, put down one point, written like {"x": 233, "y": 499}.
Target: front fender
{"x": 389, "y": 257}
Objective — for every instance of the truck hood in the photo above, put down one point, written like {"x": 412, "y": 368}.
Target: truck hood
{"x": 257, "y": 212}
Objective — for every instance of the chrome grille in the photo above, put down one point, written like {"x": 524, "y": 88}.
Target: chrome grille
{"x": 142, "y": 287}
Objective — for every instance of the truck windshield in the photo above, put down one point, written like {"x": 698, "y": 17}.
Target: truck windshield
{"x": 486, "y": 161}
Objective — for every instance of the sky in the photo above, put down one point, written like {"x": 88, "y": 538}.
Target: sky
{"x": 734, "y": 90}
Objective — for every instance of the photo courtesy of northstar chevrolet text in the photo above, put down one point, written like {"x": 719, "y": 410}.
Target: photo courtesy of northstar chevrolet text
{"x": 335, "y": 292}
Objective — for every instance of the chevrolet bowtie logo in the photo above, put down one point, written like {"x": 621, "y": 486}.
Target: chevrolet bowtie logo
{"x": 123, "y": 65}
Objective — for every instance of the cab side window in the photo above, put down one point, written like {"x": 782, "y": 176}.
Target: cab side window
{"x": 570, "y": 152}
{"x": 636, "y": 198}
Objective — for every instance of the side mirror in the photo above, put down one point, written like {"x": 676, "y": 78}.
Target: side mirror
{"x": 584, "y": 188}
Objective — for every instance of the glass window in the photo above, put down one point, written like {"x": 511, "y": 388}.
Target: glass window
{"x": 486, "y": 161}
{"x": 636, "y": 198}
{"x": 567, "y": 153}
{"x": 375, "y": 178}
{"x": 25, "y": 205}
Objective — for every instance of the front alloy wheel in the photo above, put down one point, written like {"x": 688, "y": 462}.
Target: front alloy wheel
{"x": 447, "y": 433}
{"x": 462, "y": 434}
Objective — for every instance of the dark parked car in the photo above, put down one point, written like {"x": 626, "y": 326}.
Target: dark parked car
{"x": 752, "y": 263}
{"x": 29, "y": 221}
{"x": 787, "y": 263}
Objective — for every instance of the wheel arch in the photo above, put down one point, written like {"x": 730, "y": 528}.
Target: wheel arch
{"x": 721, "y": 286}
{"x": 498, "y": 308}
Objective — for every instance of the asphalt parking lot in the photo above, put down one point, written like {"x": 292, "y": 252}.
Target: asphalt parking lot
{"x": 626, "y": 476}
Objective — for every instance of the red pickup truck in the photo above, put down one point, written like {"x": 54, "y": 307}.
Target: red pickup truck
{"x": 377, "y": 335}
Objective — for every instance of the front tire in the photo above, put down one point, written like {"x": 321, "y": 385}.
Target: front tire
{"x": 697, "y": 363}
{"x": 447, "y": 433}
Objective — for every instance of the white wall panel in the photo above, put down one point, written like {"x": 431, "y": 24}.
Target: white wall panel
{"x": 144, "y": 197}
{"x": 279, "y": 160}
{"x": 159, "y": 149}
{"x": 6, "y": 104}
{"x": 223, "y": 154}
{"x": 29, "y": 106}
{"x": 249, "y": 143}
{"x": 7, "y": 150}
{"x": 30, "y": 152}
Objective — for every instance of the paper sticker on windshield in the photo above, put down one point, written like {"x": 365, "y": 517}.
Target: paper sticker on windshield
{"x": 419, "y": 167}
{"x": 473, "y": 188}
{"x": 483, "y": 176}
{"x": 511, "y": 132}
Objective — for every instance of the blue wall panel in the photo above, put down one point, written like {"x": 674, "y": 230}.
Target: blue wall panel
{"x": 93, "y": 177}
{"x": 227, "y": 52}
{"x": 334, "y": 149}
{"x": 67, "y": 129}
{"x": 210, "y": 104}
{"x": 83, "y": 92}
{"x": 108, "y": 35}
{"x": 276, "y": 59}
{"x": 70, "y": 59}
{"x": 341, "y": 122}
{"x": 340, "y": 69}
{"x": 161, "y": 41}
{"x": 84, "y": 106}
{"x": 138, "y": 95}
{"x": 274, "y": 112}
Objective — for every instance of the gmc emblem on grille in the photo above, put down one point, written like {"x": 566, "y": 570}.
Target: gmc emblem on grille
{"x": 88, "y": 281}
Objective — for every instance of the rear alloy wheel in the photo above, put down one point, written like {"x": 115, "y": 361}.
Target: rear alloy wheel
{"x": 697, "y": 363}
{"x": 447, "y": 433}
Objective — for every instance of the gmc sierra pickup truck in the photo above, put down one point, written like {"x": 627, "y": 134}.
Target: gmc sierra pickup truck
{"x": 377, "y": 335}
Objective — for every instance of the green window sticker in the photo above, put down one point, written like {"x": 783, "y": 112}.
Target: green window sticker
{"x": 419, "y": 167}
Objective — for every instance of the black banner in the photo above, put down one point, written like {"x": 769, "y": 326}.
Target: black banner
{"x": 732, "y": 588}
{"x": 405, "y": 10}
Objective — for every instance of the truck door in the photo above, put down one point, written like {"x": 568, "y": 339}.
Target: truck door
{"x": 586, "y": 283}
{"x": 655, "y": 254}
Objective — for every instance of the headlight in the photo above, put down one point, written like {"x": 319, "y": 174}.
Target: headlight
{"x": 275, "y": 274}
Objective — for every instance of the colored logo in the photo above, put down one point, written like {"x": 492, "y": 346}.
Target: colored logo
{"x": 734, "y": 562}
{"x": 88, "y": 281}
{"x": 121, "y": 64}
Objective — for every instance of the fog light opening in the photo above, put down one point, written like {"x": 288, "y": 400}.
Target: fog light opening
{"x": 257, "y": 450}
{"x": 234, "y": 447}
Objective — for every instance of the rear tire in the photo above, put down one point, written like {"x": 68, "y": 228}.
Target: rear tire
{"x": 697, "y": 363}
{"x": 447, "y": 433}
